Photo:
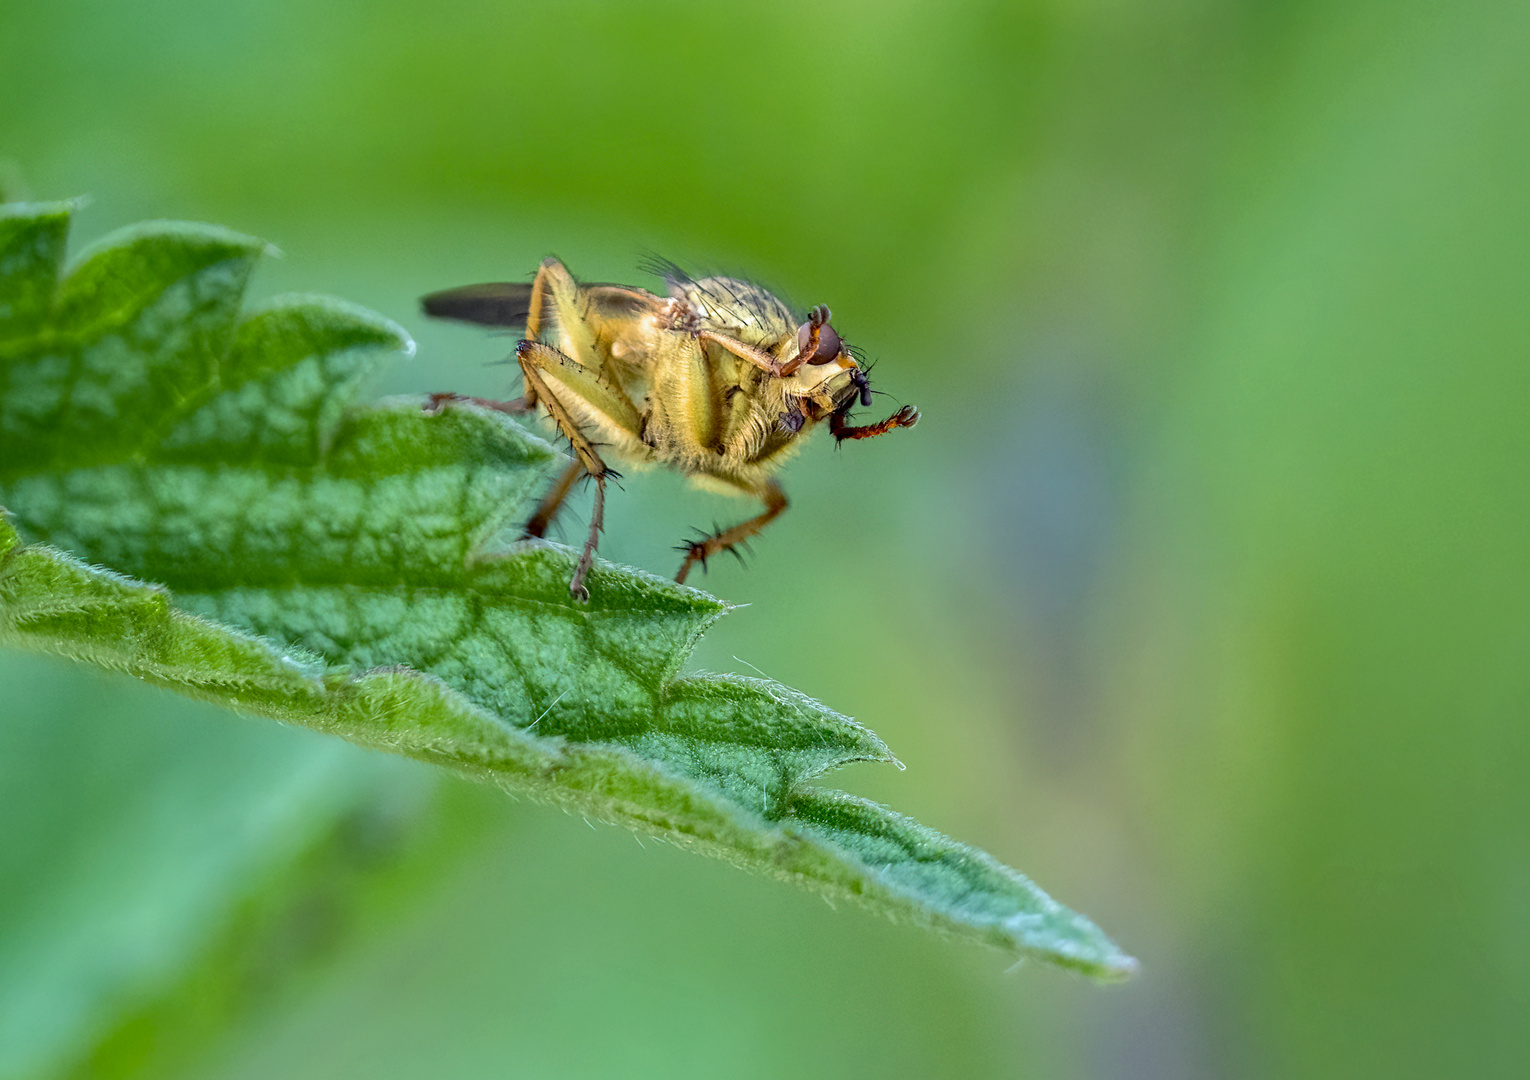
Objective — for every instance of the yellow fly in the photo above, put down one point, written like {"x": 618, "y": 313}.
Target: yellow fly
{"x": 717, "y": 379}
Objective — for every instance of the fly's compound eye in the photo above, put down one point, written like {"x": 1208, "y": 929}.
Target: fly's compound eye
{"x": 829, "y": 344}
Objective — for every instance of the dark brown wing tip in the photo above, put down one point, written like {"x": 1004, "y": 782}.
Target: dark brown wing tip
{"x": 494, "y": 303}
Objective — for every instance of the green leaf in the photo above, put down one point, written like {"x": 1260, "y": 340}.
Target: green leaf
{"x": 279, "y": 547}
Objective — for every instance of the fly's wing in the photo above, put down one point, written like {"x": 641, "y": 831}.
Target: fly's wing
{"x": 616, "y": 306}
{"x": 507, "y": 303}
{"x": 495, "y": 303}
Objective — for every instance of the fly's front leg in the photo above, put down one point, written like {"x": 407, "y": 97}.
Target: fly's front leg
{"x": 817, "y": 343}
{"x": 699, "y": 551}
{"x": 907, "y": 416}
{"x": 758, "y": 357}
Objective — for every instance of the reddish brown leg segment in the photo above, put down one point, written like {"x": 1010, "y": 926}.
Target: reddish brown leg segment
{"x": 553, "y": 502}
{"x": 702, "y": 550}
{"x": 587, "y": 556}
{"x": 436, "y": 402}
{"x": 907, "y": 416}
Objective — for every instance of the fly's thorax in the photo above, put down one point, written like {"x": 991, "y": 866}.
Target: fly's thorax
{"x": 739, "y": 309}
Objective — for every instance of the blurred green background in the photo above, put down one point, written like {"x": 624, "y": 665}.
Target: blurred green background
{"x": 1199, "y": 594}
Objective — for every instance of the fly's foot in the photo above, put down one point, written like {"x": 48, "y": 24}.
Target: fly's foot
{"x": 695, "y": 552}
{"x": 907, "y": 416}
{"x": 709, "y": 544}
{"x": 434, "y": 403}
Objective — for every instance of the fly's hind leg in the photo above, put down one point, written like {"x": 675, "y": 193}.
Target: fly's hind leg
{"x": 434, "y": 403}
{"x": 551, "y": 280}
{"x": 568, "y": 381}
{"x": 699, "y": 551}
{"x": 542, "y": 364}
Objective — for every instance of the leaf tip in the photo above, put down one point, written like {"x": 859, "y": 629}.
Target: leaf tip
{"x": 332, "y": 323}
{"x": 215, "y": 239}
{"x": 1122, "y": 967}
{"x": 26, "y": 208}
{"x": 1077, "y": 943}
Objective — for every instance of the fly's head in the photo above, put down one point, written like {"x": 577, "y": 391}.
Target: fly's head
{"x": 819, "y": 369}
